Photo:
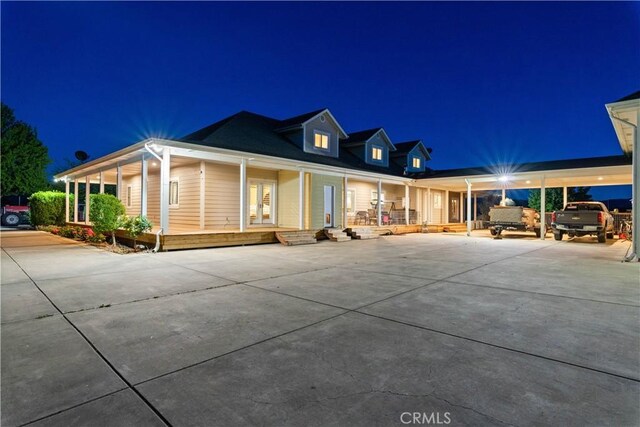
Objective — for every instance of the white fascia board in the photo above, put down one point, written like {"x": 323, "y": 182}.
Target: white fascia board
{"x": 184, "y": 149}
{"x": 98, "y": 164}
{"x": 626, "y": 110}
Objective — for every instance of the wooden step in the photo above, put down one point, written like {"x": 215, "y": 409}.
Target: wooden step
{"x": 336, "y": 235}
{"x": 292, "y": 238}
{"x": 362, "y": 233}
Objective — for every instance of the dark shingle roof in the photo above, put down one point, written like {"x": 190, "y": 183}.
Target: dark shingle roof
{"x": 403, "y": 148}
{"x": 588, "y": 162}
{"x": 253, "y": 133}
{"x": 361, "y": 136}
{"x": 298, "y": 120}
{"x": 634, "y": 95}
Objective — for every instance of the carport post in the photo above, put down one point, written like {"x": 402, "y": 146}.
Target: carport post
{"x": 66, "y": 199}
{"x": 87, "y": 193}
{"x": 635, "y": 188}
{"x": 543, "y": 214}
{"x": 468, "y": 207}
{"x": 379, "y": 213}
{"x": 565, "y": 199}
{"x": 75, "y": 200}
{"x": 101, "y": 182}
{"x": 406, "y": 204}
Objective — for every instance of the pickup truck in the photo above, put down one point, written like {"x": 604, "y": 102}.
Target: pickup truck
{"x": 581, "y": 219}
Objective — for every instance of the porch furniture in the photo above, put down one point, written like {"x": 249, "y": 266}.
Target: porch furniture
{"x": 362, "y": 217}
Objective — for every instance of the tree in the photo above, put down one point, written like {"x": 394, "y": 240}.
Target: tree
{"x": 135, "y": 226}
{"x": 106, "y": 214}
{"x": 554, "y": 199}
{"x": 24, "y": 157}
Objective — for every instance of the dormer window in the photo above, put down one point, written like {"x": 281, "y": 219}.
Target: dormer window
{"x": 417, "y": 163}
{"x": 376, "y": 153}
{"x": 321, "y": 140}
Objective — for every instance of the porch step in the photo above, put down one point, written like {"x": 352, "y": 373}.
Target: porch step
{"x": 292, "y": 238}
{"x": 362, "y": 233}
{"x": 336, "y": 235}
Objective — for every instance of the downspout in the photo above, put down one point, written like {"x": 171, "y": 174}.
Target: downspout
{"x": 634, "y": 184}
{"x": 159, "y": 233}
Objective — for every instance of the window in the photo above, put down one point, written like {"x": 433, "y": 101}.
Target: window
{"x": 351, "y": 201}
{"x": 173, "y": 193}
{"x": 321, "y": 140}
{"x": 376, "y": 153}
{"x": 128, "y": 196}
{"x": 417, "y": 162}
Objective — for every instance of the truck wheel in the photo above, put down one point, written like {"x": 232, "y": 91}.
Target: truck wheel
{"x": 537, "y": 231}
{"x": 602, "y": 237}
{"x": 493, "y": 231}
{"x": 11, "y": 219}
{"x": 557, "y": 235}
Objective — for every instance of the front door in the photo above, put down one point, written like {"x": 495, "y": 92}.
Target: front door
{"x": 261, "y": 202}
{"x": 329, "y": 203}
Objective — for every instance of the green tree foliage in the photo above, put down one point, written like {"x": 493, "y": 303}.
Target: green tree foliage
{"x": 24, "y": 157}
{"x": 554, "y": 198}
{"x": 47, "y": 208}
{"x": 106, "y": 214}
{"x": 135, "y": 226}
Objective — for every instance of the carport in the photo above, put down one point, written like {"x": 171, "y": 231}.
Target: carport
{"x": 587, "y": 172}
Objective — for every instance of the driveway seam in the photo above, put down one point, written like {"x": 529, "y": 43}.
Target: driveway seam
{"x": 95, "y": 349}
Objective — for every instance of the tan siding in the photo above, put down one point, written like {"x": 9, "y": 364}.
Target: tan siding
{"x": 153, "y": 196}
{"x": 222, "y": 196}
{"x": 317, "y": 199}
{"x": 133, "y": 181}
{"x": 437, "y": 215}
{"x": 288, "y": 199}
{"x": 187, "y": 213}
{"x": 267, "y": 174}
{"x": 363, "y": 193}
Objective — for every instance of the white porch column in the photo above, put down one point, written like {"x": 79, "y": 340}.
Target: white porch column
{"x": 75, "y": 200}
{"x": 101, "y": 182}
{"x": 504, "y": 195}
{"x": 468, "y": 207}
{"x": 66, "y": 199}
{"x": 461, "y": 208}
{"x": 475, "y": 206}
{"x": 428, "y": 214}
{"x": 379, "y": 207}
{"x": 446, "y": 207}
{"x": 301, "y": 200}
{"x": 565, "y": 199}
{"x": 345, "y": 217}
{"x": 406, "y": 204}
{"x": 87, "y": 193}
{"x": 165, "y": 177}
{"x": 144, "y": 166}
{"x": 119, "y": 182}
{"x": 543, "y": 214}
{"x": 243, "y": 194}
{"x": 635, "y": 190}
{"x": 203, "y": 170}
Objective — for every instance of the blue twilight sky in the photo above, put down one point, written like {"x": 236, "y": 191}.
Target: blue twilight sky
{"x": 478, "y": 82}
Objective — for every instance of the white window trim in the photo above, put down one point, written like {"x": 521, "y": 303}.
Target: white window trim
{"x": 379, "y": 147}
{"x": 320, "y": 132}
{"x": 176, "y": 205}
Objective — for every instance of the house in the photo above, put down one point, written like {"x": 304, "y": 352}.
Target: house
{"x": 249, "y": 175}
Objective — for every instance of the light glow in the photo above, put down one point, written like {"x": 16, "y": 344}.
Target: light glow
{"x": 528, "y": 182}
{"x": 600, "y": 178}
{"x": 504, "y": 178}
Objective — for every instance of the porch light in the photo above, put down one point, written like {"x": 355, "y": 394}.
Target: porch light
{"x": 154, "y": 164}
{"x": 600, "y": 178}
{"x": 528, "y": 182}
{"x": 504, "y": 178}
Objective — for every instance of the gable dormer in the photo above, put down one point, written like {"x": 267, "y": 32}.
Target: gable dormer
{"x": 372, "y": 145}
{"x": 412, "y": 156}
{"x": 317, "y": 132}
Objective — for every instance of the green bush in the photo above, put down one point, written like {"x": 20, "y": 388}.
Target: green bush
{"x": 135, "y": 226}
{"x": 47, "y": 208}
{"x": 105, "y": 213}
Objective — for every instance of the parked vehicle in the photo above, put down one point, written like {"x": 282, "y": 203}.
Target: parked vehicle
{"x": 13, "y": 215}
{"x": 582, "y": 219}
{"x": 513, "y": 218}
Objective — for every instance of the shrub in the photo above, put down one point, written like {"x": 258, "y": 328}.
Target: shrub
{"x": 47, "y": 208}
{"x": 106, "y": 213}
{"x": 135, "y": 226}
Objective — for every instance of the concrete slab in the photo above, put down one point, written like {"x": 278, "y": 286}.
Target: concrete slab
{"x": 419, "y": 267}
{"x": 10, "y": 272}
{"x": 585, "y": 278}
{"x": 362, "y": 371}
{"x": 151, "y": 338}
{"x": 123, "y": 408}
{"x": 586, "y": 333}
{"x": 22, "y": 301}
{"x": 341, "y": 287}
{"x": 84, "y": 292}
{"x": 48, "y": 367}
{"x": 22, "y": 239}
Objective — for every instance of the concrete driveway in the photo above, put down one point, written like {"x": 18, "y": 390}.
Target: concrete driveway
{"x": 472, "y": 330}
